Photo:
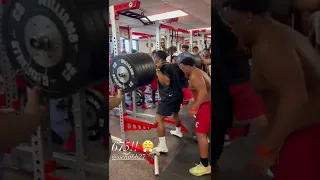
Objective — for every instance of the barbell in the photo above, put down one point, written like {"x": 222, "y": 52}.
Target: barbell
{"x": 60, "y": 46}
{"x": 57, "y": 45}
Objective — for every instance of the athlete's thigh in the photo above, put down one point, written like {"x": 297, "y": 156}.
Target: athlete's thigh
{"x": 164, "y": 109}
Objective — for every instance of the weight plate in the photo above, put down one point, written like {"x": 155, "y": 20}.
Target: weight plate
{"x": 132, "y": 71}
{"x": 97, "y": 114}
{"x": 198, "y": 62}
{"x": 183, "y": 55}
{"x": 140, "y": 99}
{"x": 46, "y": 42}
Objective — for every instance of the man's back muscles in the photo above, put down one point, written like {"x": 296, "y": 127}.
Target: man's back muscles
{"x": 173, "y": 90}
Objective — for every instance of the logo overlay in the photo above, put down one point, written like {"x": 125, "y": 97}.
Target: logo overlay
{"x": 147, "y": 146}
{"x": 122, "y": 151}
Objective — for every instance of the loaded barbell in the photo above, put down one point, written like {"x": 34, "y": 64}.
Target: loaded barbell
{"x": 60, "y": 47}
{"x": 132, "y": 71}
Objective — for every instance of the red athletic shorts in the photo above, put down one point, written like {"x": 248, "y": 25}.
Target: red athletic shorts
{"x": 187, "y": 94}
{"x": 247, "y": 104}
{"x": 299, "y": 156}
{"x": 203, "y": 118}
{"x": 154, "y": 84}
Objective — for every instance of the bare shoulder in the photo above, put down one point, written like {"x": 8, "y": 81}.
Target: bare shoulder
{"x": 192, "y": 78}
{"x": 273, "y": 41}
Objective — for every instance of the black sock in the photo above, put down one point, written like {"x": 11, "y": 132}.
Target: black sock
{"x": 204, "y": 162}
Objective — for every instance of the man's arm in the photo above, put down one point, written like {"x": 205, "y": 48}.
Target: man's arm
{"x": 114, "y": 102}
{"x": 163, "y": 78}
{"x": 282, "y": 69}
{"x": 206, "y": 61}
{"x": 15, "y": 129}
{"x": 200, "y": 86}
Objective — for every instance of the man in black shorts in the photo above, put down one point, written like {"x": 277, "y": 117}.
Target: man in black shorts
{"x": 170, "y": 94}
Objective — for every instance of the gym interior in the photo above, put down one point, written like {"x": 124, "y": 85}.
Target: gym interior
{"x": 75, "y": 145}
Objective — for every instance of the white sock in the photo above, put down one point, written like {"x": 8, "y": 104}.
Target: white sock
{"x": 178, "y": 129}
{"x": 162, "y": 141}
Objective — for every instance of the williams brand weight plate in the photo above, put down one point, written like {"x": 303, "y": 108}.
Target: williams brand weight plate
{"x": 46, "y": 42}
{"x": 132, "y": 71}
{"x": 97, "y": 115}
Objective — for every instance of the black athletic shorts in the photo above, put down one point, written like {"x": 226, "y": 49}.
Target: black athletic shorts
{"x": 167, "y": 108}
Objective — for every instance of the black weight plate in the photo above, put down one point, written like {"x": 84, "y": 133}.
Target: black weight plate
{"x": 139, "y": 98}
{"x": 63, "y": 68}
{"x": 183, "y": 55}
{"x": 99, "y": 126}
{"x": 146, "y": 69}
{"x": 197, "y": 59}
{"x": 117, "y": 63}
{"x": 139, "y": 69}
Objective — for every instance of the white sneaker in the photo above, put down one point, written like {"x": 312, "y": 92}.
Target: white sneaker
{"x": 161, "y": 149}
{"x": 270, "y": 173}
{"x": 176, "y": 133}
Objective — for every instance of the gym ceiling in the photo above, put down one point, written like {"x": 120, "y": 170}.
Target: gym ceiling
{"x": 199, "y": 14}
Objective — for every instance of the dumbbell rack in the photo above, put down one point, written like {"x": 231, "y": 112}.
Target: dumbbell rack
{"x": 44, "y": 161}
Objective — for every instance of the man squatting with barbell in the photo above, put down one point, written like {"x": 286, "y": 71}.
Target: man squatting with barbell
{"x": 286, "y": 73}
{"x": 171, "y": 97}
{"x": 170, "y": 79}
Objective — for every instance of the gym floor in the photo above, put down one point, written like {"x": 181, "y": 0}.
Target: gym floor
{"x": 183, "y": 154}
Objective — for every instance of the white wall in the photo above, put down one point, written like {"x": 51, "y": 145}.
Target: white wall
{"x": 143, "y": 46}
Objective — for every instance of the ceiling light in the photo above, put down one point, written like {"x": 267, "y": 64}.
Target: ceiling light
{"x": 167, "y": 15}
{"x": 135, "y": 37}
{"x": 208, "y": 28}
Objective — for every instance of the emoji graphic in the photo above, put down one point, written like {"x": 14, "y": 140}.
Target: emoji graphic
{"x": 147, "y": 145}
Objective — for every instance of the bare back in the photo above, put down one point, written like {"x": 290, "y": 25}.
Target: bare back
{"x": 309, "y": 63}
{"x": 197, "y": 75}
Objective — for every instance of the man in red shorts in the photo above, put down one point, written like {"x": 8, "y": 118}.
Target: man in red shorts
{"x": 286, "y": 73}
{"x": 200, "y": 85}
{"x": 248, "y": 106}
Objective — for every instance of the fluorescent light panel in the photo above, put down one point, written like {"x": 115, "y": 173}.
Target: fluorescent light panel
{"x": 167, "y": 15}
{"x": 135, "y": 37}
{"x": 208, "y": 28}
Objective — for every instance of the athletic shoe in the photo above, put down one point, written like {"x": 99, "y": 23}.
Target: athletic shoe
{"x": 270, "y": 172}
{"x": 144, "y": 106}
{"x": 176, "y": 133}
{"x": 161, "y": 149}
{"x": 131, "y": 107}
{"x": 200, "y": 170}
{"x": 152, "y": 106}
{"x": 70, "y": 144}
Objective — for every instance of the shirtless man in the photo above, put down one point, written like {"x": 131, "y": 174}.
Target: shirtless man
{"x": 286, "y": 72}
{"x": 200, "y": 85}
